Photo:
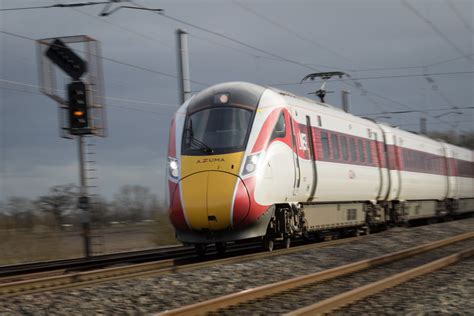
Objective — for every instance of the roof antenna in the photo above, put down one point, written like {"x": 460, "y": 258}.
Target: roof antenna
{"x": 321, "y": 93}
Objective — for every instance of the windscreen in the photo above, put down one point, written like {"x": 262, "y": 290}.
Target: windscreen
{"x": 216, "y": 130}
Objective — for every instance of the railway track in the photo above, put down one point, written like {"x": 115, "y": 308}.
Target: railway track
{"x": 334, "y": 288}
{"x": 236, "y": 253}
{"x": 94, "y": 262}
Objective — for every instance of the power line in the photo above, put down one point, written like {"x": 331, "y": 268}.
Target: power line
{"x": 226, "y": 37}
{"x": 448, "y": 60}
{"x": 111, "y": 105}
{"x": 407, "y": 106}
{"x": 221, "y": 35}
{"x": 106, "y": 97}
{"x": 58, "y": 5}
{"x": 289, "y": 30}
{"x": 376, "y": 77}
{"x": 460, "y": 16}
{"x": 116, "y": 61}
{"x": 357, "y": 86}
{"x": 436, "y": 30}
{"x": 454, "y": 122}
{"x": 417, "y": 111}
{"x": 152, "y": 39}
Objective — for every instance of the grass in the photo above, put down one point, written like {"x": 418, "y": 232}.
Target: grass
{"x": 19, "y": 246}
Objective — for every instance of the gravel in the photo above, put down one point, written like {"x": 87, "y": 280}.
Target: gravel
{"x": 288, "y": 301}
{"x": 154, "y": 294}
{"x": 447, "y": 291}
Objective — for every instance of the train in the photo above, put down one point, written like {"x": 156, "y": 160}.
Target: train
{"x": 253, "y": 162}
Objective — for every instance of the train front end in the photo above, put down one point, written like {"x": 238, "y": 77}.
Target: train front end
{"x": 209, "y": 201}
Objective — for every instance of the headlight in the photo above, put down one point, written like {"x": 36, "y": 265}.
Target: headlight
{"x": 173, "y": 167}
{"x": 251, "y": 163}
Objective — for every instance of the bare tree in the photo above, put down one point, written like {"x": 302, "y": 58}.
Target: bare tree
{"x": 133, "y": 203}
{"x": 100, "y": 211}
{"x": 61, "y": 198}
{"x": 463, "y": 140}
{"x": 21, "y": 211}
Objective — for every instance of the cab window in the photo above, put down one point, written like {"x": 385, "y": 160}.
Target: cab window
{"x": 279, "y": 131}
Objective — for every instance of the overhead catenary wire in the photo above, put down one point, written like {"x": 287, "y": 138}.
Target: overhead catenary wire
{"x": 436, "y": 30}
{"x": 282, "y": 58}
{"x": 417, "y": 111}
{"x": 115, "y": 61}
{"x": 456, "y": 11}
{"x": 144, "y": 36}
{"x": 376, "y": 77}
{"x": 289, "y": 30}
{"x": 454, "y": 122}
{"x": 278, "y": 57}
{"x": 108, "y": 104}
{"x": 58, "y": 5}
{"x": 106, "y": 97}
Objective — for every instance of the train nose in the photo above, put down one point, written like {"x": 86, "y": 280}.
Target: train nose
{"x": 214, "y": 200}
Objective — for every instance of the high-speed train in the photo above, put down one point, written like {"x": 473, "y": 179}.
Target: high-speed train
{"x": 246, "y": 161}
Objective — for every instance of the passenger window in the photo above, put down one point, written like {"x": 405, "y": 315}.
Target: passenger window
{"x": 325, "y": 142}
{"x": 345, "y": 154}
{"x": 369, "y": 152}
{"x": 353, "y": 149}
{"x": 335, "y": 146}
{"x": 361, "y": 150}
{"x": 280, "y": 127}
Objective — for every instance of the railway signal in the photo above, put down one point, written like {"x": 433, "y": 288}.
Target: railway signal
{"x": 78, "y": 108}
{"x": 82, "y": 110}
{"x": 66, "y": 59}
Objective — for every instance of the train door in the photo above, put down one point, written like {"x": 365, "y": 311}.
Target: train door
{"x": 296, "y": 162}
{"x": 449, "y": 171}
{"x": 395, "y": 168}
{"x": 312, "y": 155}
{"x": 384, "y": 176}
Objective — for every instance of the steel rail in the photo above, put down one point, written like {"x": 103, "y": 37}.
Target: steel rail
{"x": 92, "y": 262}
{"x": 143, "y": 269}
{"x": 362, "y": 292}
{"x": 265, "y": 290}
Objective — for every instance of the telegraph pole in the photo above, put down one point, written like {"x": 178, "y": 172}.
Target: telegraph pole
{"x": 183, "y": 66}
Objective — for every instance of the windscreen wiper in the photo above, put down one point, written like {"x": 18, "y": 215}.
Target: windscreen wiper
{"x": 196, "y": 142}
{"x": 202, "y": 146}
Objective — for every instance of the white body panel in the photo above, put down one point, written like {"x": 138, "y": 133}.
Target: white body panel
{"x": 344, "y": 182}
{"x": 460, "y": 186}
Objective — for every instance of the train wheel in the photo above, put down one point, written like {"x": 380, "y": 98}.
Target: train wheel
{"x": 287, "y": 242}
{"x": 221, "y": 247}
{"x": 268, "y": 244}
{"x": 200, "y": 249}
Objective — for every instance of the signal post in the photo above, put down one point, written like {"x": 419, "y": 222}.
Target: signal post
{"x": 82, "y": 110}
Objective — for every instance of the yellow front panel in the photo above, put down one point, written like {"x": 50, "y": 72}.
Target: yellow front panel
{"x": 227, "y": 162}
{"x": 208, "y": 184}
{"x": 194, "y": 192}
{"x": 220, "y": 190}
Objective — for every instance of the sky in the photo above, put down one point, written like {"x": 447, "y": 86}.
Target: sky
{"x": 400, "y": 55}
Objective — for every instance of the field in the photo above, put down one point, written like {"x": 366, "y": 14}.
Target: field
{"x": 18, "y": 246}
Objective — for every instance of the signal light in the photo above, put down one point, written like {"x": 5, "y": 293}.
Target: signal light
{"x": 66, "y": 59}
{"x": 78, "y": 108}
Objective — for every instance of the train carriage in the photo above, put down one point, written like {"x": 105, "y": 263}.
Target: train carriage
{"x": 245, "y": 161}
